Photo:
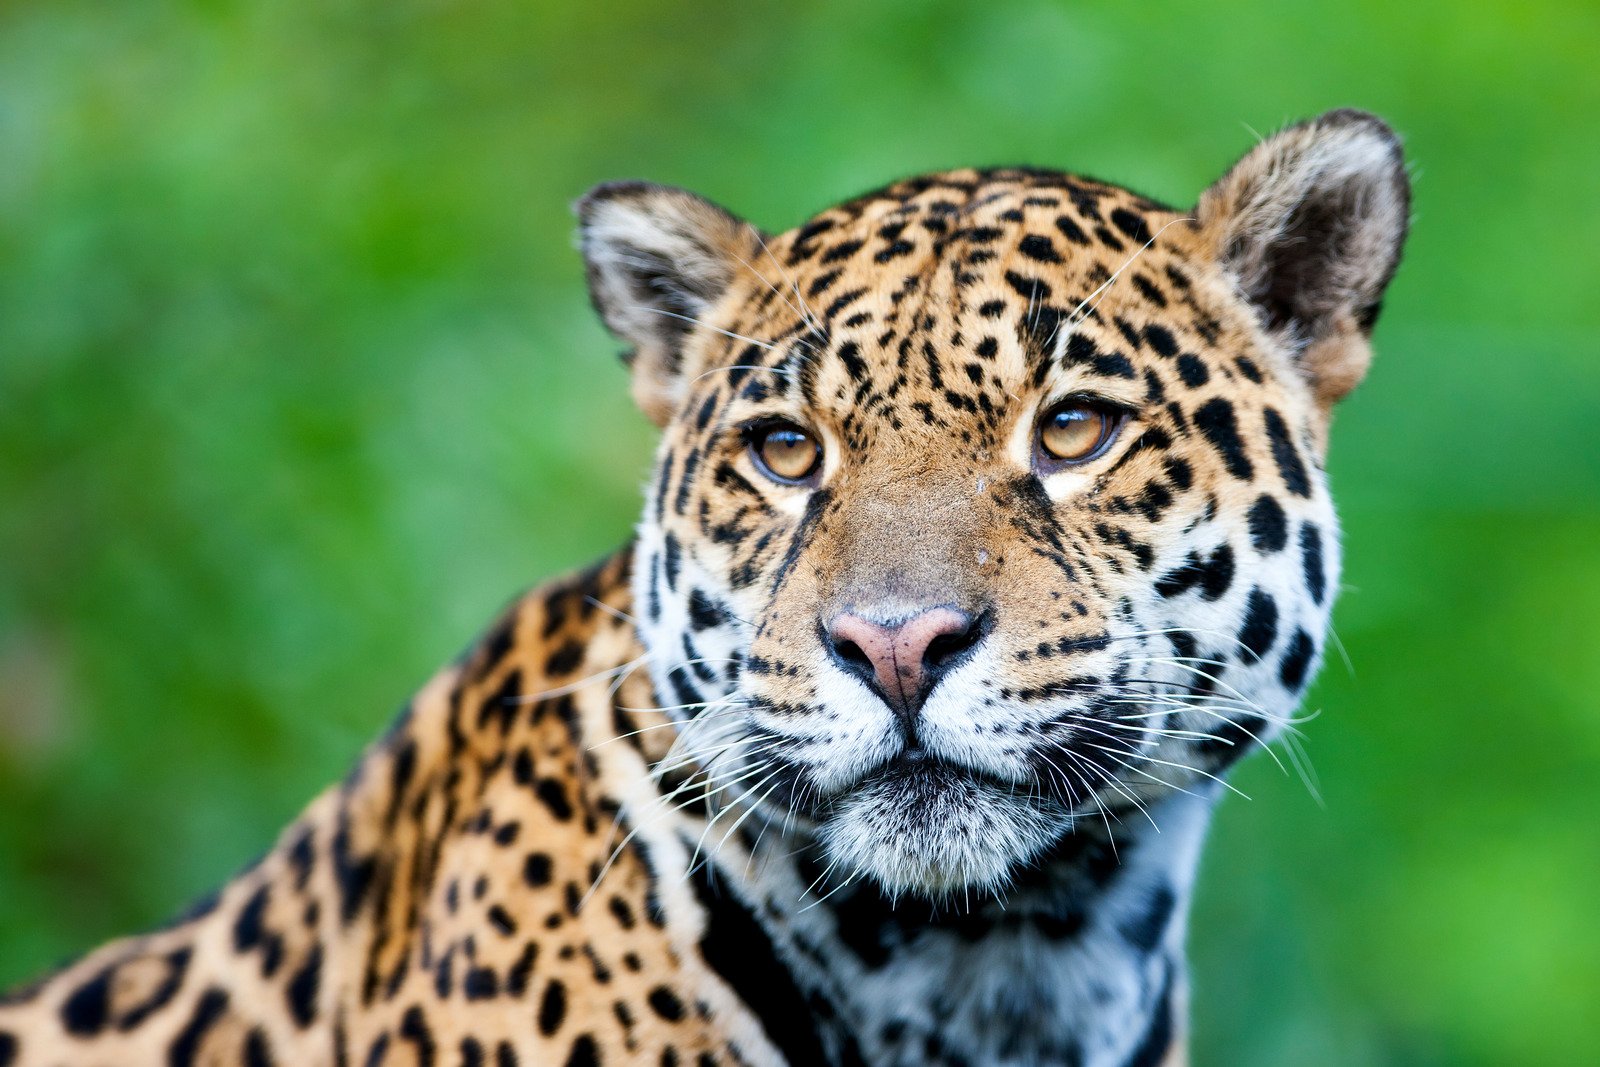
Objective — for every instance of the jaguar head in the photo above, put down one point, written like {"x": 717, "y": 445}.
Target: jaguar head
{"x": 993, "y": 500}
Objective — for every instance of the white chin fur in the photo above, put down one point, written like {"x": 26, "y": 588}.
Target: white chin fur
{"x": 936, "y": 832}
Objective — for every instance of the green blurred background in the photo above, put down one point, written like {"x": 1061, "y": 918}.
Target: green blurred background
{"x": 298, "y": 384}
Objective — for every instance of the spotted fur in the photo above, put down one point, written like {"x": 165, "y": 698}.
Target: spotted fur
{"x": 660, "y": 815}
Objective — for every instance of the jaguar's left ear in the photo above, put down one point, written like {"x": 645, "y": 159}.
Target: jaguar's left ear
{"x": 658, "y": 261}
{"x": 1309, "y": 226}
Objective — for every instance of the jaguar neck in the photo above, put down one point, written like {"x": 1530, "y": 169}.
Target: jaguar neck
{"x": 1080, "y": 962}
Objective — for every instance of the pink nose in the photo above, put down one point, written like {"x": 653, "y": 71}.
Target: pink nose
{"x": 903, "y": 661}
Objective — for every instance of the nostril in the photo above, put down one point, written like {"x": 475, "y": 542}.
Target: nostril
{"x": 851, "y": 653}
{"x": 947, "y": 647}
{"x": 958, "y": 634}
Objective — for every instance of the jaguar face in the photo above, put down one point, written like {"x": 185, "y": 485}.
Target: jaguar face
{"x": 994, "y": 500}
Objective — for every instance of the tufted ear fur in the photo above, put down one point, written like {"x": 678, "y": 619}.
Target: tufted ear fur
{"x": 658, "y": 259}
{"x": 1309, "y": 225}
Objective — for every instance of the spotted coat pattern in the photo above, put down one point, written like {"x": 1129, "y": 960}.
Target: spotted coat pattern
{"x": 658, "y": 814}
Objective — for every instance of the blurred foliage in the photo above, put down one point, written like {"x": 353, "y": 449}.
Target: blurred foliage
{"x": 298, "y": 383}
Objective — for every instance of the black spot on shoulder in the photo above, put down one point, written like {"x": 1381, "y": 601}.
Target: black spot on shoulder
{"x": 8, "y": 1049}
{"x": 304, "y": 986}
{"x": 584, "y": 1053}
{"x": 414, "y": 1028}
{"x": 553, "y": 1007}
{"x": 554, "y": 795}
{"x": 536, "y": 870}
{"x": 257, "y": 1051}
{"x": 565, "y": 659}
{"x": 1260, "y": 627}
{"x": 86, "y": 1011}
{"x": 665, "y": 1003}
{"x": 1269, "y": 528}
{"x": 185, "y": 1048}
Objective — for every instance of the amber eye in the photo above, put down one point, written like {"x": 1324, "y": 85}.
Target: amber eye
{"x": 785, "y": 453}
{"x": 1075, "y": 431}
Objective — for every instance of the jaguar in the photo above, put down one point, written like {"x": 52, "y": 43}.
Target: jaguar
{"x": 988, "y": 530}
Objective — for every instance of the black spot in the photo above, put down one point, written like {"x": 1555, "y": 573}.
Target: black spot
{"x": 1286, "y": 455}
{"x": 471, "y": 1052}
{"x": 536, "y": 870}
{"x": 1248, "y": 368}
{"x": 1033, "y": 290}
{"x": 1161, "y": 339}
{"x": 1148, "y": 288}
{"x": 554, "y": 795}
{"x": 1216, "y": 421}
{"x": 1269, "y": 528}
{"x": 185, "y": 1047}
{"x": 86, "y": 1012}
{"x": 505, "y": 1055}
{"x": 1311, "y": 561}
{"x": 1260, "y": 627}
{"x": 303, "y": 987}
{"x": 1071, "y": 230}
{"x": 414, "y": 1028}
{"x": 552, "y": 1008}
{"x": 665, "y": 1003}
{"x": 842, "y": 250}
{"x": 501, "y": 920}
{"x": 1192, "y": 370}
{"x": 1132, "y": 225}
{"x": 584, "y": 1053}
{"x": 1036, "y": 246}
{"x": 8, "y": 1049}
{"x": 1292, "y": 671}
{"x": 565, "y": 659}
{"x": 1145, "y": 927}
{"x": 249, "y": 928}
{"x": 257, "y": 1053}
{"x": 704, "y": 612}
{"x": 480, "y": 983}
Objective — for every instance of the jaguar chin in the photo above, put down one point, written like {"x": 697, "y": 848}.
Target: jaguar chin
{"x": 922, "y": 826}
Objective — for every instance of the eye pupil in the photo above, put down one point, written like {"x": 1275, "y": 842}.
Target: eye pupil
{"x": 787, "y": 453}
{"x": 1074, "y": 433}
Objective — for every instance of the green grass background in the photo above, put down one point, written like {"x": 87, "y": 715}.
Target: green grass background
{"x": 298, "y": 383}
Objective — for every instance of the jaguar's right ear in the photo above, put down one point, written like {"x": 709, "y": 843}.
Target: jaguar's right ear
{"x": 658, "y": 261}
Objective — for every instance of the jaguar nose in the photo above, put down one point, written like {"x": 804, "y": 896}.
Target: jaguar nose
{"x": 903, "y": 661}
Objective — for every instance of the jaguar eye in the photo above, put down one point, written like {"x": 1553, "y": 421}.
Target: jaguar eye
{"x": 1075, "y": 431}
{"x": 785, "y": 453}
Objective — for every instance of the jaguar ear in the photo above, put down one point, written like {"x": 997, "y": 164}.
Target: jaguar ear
{"x": 658, "y": 260}
{"x": 1309, "y": 226}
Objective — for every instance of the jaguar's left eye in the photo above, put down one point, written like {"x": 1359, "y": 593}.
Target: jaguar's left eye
{"x": 1076, "y": 431}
